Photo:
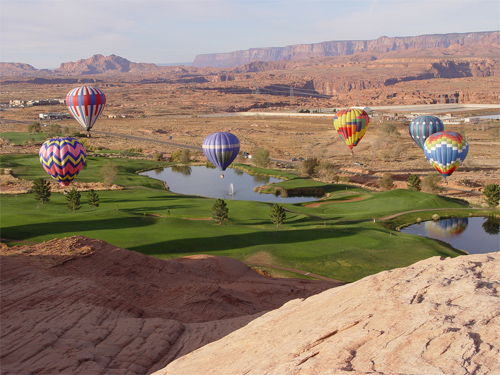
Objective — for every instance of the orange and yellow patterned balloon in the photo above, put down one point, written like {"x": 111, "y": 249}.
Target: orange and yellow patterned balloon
{"x": 351, "y": 124}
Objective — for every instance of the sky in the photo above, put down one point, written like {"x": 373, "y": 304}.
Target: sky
{"x": 46, "y": 33}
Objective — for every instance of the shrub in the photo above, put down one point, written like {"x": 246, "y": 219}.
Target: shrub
{"x": 308, "y": 166}
{"x": 260, "y": 157}
{"x": 430, "y": 183}
{"x": 386, "y": 182}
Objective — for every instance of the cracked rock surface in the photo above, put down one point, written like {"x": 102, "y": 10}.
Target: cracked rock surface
{"x": 438, "y": 316}
{"x": 83, "y": 306}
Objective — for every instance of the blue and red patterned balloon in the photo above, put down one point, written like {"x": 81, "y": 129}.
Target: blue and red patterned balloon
{"x": 446, "y": 151}
{"x": 86, "y": 104}
{"x": 221, "y": 149}
{"x": 422, "y": 127}
{"x": 62, "y": 158}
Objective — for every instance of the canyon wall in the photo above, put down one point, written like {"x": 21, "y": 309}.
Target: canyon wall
{"x": 344, "y": 48}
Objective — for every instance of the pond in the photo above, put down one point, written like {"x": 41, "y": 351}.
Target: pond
{"x": 476, "y": 235}
{"x": 206, "y": 182}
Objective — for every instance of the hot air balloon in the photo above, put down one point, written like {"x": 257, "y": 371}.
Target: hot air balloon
{"x": 447, "y": 227}
{"x": 422, "y": 127}
{"x": 221, "y": 149}
{"x": 351, "y": 124}
{"x": 86, "y": 105}
{"x": 446, "y": 151}
{"x": 62, "y": 158}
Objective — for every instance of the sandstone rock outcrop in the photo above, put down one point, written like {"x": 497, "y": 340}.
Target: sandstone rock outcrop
{"x": 82, "y": 306}
{"x": 438, "y": 316}
{"x": 343, "y": 48}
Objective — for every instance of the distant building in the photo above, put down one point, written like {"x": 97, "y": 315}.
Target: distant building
{"x": 54, "y": 116}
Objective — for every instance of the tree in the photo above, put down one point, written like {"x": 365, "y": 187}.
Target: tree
{"x": 386, "y": 182}
{"x": 157, "y": 156}
{"x": 260, "y": 157}
{"x": 109, "y": 172}
{"x": 414, "y": 182}
{"x": 41, "y": 188}
{"x": 277, "y": 214}
{"x": 34, "y": 127}
{"x": 182, "y": 155}
{"x": 308, "y": 166}
{"x": 492, "y": 194}
{"x": 73, "y": 198}
{"x": 430, "y": 183}
{"x": 219, "y": 211}
{"x": 93, "y": 199}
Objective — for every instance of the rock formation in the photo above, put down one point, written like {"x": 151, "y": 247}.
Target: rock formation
{"x": 438, "y": 316}
{"x": 82, "y": 306}
{"x": 343, "y": 48}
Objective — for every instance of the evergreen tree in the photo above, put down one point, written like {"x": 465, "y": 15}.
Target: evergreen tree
{"x": 41, "y": 188}
{"x": 93, "y": 199}
{"x": 414, "y": 182}
{"x": 492, "y": 194}
{"x": 278, "y": 214}
{"x": 219, "y": 211}
{"x": 73, "y": 198}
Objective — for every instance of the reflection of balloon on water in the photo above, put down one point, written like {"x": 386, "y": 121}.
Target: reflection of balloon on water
{"x": 86, "y": 104}
{"x": 351, "y": 124}
{"x": 221, "y": 149}
{"x": 422, "y": 127}
{"x": 446, "y": 151}
{"x": 62, "y": 158}
{"x": 447, "y": 227}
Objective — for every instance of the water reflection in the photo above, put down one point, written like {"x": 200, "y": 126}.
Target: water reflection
{"x": 476, "y": 235}
{"x": 238, "y": 185}
{"x": 447, "y": 227}
{"x": 492, "y": 225}
{"x": 183, "y": 169}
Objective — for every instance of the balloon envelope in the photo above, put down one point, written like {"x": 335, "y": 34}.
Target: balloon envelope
{"x": 62, "y": 158}
{"x": 446, "y": 151}
{"x": 221, "y": 149}
{"x": 422, "y": 127}
{"x": 86, "y": 104}
{"x": 351, "y": 124}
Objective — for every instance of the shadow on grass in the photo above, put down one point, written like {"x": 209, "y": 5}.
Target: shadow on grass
{"x": 21, "y": 232}
{"x": 206, "y": 245}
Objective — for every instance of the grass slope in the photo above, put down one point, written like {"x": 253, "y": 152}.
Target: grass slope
{"x": 151, "y": 220}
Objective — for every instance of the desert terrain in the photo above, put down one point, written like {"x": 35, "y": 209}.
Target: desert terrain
{"x": 81, "y": 305}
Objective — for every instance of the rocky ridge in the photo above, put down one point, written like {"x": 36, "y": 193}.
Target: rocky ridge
{"x": 79, "y": 305}
{"x": 344, "y": 48}
{"x": 438, "y": 316}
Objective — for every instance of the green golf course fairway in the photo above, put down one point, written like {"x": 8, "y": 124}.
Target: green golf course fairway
{"x": 338, "y": 239}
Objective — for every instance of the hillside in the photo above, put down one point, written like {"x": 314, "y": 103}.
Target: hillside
{"x": 438, "y": 316}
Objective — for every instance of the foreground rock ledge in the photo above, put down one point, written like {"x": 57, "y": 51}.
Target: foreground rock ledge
{"x": 83, "y": 306}
{"x": 438, "y": 316}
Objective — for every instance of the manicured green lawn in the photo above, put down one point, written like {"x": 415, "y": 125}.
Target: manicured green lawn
{"x": 148, "y": 219}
